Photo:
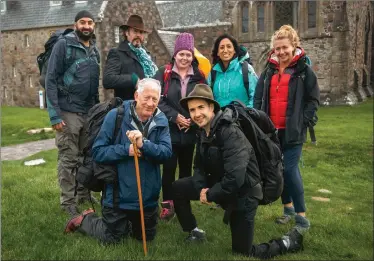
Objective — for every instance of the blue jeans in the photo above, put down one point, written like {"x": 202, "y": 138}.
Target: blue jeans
{"x": 293, "y": 190}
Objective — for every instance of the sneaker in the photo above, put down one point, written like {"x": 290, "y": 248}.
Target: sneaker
{"x": 74, "y": 223}
{"x": 167, "y": 211}
{"x": 196, "y": 235}
{"x": 295, "y": 240}
{"x": 72, "y": 210}
{"x": 283, "y": 219}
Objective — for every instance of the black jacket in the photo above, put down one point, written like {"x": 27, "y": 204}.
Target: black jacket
{"x": 226, "y": 163}
{"x": 169, "y": 104}
{"x": 302, "y": 104}
{"x": 121, "y": 63}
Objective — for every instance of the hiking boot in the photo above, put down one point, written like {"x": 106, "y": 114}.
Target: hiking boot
{"x": 294, "y": 240}
{"x": 74, "y": 223}
{"x": 94, "y": 200}
{"x": 72, "y": 210}
{"x": 196, "y": 235}
{"x": 167, "y": 211}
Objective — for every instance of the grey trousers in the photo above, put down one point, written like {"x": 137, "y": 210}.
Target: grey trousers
{"x": 69, "y": 142}
{"x": 116, "y": 224}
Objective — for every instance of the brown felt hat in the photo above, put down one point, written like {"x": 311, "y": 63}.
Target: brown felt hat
{"x": 136, "y": 22}
{"x": 201, "y": 91}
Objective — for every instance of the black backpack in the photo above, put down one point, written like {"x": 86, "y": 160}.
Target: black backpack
{"x": 261, "y": 133}
{"x": 90, "y": 174}
{"x": 43, "y": 58}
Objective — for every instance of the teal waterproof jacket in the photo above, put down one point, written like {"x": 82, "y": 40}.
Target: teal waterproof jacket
{"x": 229, "y": 85}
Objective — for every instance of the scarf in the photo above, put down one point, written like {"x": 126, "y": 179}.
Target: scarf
{"x": 149, "y": 67}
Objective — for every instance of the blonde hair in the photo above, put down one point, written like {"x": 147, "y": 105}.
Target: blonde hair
{"x": 286, "y": 32}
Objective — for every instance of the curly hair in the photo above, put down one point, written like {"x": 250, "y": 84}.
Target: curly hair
{"x": 214, "y": 54}
{"x": 286, "y": 32}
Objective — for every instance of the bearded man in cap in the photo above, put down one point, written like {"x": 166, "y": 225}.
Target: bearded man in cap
{"x": 71, "y": 90}
{"x": 226, "y": 172}
{"x": 130, "y": 61}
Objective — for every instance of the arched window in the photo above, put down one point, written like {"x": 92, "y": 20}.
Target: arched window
{"x": 260, "y": 17}
{"x": 312, "y": 14}
{"x": 245, "y": 17}
{"x": 286, "y": 12}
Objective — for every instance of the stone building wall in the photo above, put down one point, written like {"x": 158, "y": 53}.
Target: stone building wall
{"x": 205, "y": 35}
{"x": 336, "y": 46}
{"x": 156, "y": 47}
{"x": 20, "y": 73}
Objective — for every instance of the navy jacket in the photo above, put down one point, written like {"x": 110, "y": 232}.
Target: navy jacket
{"x": 156, "y": 149}
{"x": 72, "y": 78}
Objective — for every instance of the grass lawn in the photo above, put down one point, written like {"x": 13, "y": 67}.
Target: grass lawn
{"x": 16, "y": 121}
{"x": 341, "y": 229}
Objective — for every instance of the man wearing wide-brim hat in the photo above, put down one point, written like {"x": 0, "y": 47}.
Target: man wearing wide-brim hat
{"x": 226, "y": 172}
{"x": 130, "y": 61}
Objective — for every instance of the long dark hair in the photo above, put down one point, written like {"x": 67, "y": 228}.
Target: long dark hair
{"x": 215, "y": 56}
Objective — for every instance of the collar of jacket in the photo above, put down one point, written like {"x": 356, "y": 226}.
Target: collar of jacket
{"x": 234, "y": 63}
{"x": 157, "y": 119}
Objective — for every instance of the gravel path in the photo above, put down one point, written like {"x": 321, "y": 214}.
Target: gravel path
{"x": 21, "y": 151}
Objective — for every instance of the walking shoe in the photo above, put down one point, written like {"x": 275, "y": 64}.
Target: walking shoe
{"x": 302, "y": 224}
{"x": 293, "y": 241}
{"x": 283, "y": 219}
{"x": 167, "y": 211}
{"x": 74, "y": 223}
{"x": 196, "y": 235}
{"x": 72, "y": 210}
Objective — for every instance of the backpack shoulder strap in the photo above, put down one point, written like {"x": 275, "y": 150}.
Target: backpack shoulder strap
{"x": 119, "y": 120}
{"x": 213, "y": 74}
{"x": 245, "y": 70}
{"x": 166, "y": 78}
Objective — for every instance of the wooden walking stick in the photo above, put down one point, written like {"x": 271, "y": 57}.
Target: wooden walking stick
{"x": 140, "y": 197}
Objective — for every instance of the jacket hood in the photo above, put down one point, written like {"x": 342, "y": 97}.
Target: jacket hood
{"x": 226, "y": 116}
{"x": 299, "y": 53}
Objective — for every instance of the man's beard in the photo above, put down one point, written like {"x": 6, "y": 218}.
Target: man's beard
{"x": 85, "y": 36}
{"x": 135, "y": 44}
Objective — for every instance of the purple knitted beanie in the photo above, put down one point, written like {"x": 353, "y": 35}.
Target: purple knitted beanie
{"x": 184, "y": 41}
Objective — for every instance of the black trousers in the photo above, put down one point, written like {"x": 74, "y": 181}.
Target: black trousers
{"x": 242, "y": 221}
{"x": 116, "y": 224}
{"x": 183, "y": 156}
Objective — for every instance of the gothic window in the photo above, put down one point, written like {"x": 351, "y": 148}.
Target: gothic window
{"x": 245, "y": 17}
{"x": 261, "y": 18}
{"x": 283, "y": 13}
{"x": 116, "y": 34}
{"x": 312, "y": 14}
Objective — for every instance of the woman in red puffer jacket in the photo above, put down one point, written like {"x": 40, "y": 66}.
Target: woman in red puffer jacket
{"x": 288, "y": 92}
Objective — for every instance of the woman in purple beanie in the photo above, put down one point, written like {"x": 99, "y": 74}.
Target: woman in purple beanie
{"x": 178, "y": 78}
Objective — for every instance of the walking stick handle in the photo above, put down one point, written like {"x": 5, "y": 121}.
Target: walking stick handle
{"x": 138, "y": 182}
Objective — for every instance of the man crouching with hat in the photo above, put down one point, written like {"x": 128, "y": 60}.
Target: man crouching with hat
{"x": 130, "y": 61}
{"x": 225, "y": 172}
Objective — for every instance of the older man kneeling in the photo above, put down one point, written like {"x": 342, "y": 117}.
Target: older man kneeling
{"x": 146, "y": 125}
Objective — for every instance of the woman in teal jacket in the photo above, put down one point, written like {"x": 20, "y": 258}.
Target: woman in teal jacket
{"x": 228, "y": 84}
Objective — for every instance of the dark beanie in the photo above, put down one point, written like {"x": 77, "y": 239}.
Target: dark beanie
{"x": 84, "y": 13}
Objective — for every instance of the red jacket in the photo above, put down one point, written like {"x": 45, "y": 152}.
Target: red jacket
{"x": 278, "y": 98}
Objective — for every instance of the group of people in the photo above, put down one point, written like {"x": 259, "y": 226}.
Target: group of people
{"x": 177, "y": 116}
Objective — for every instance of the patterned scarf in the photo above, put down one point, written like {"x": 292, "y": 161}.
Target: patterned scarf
{"x": 149, "y": 67}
